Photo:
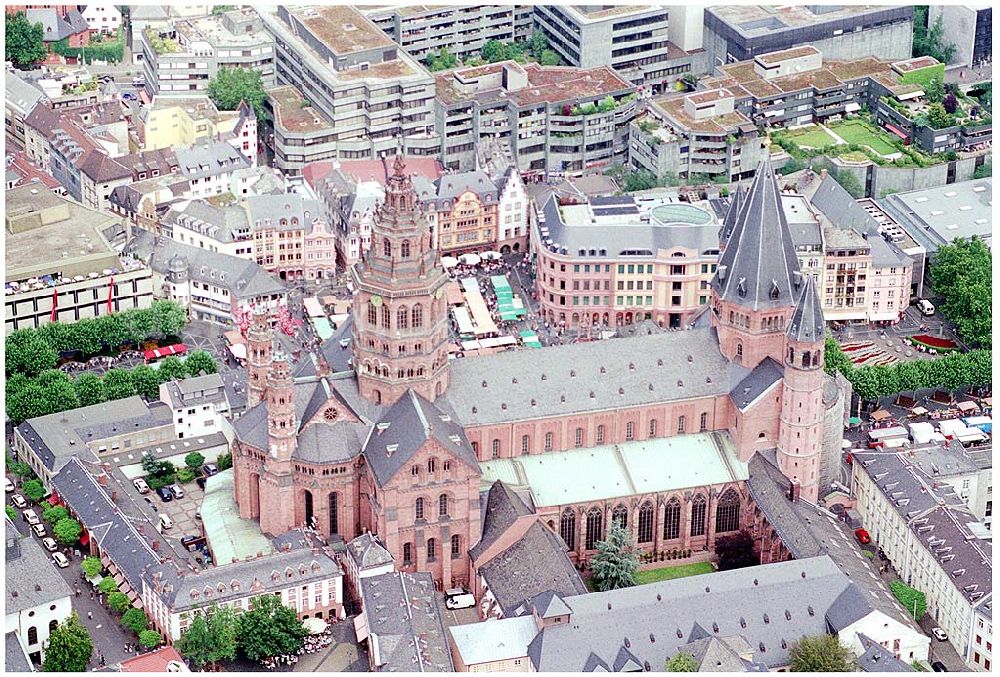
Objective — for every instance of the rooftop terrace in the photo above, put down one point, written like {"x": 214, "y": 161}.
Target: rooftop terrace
{"x": 292, "y": 112}
{"x": 342, "y": 28}
{"x": 546, "y": 84}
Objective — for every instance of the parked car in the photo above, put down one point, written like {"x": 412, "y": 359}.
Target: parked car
{"x": 925, "y": 307}
{"x": 30, "y": 517}
{"x": 940, "y": 635}
{"x": 50, "y": 544}
{"x": 38, "y": 530}
{"x": 177, "y": 491}
{"x": 8, "y": 486}
{"x": 141, "y": 486}
{"x": 197, "y": 513}
{"x": 186, "y": 541}
{"x": 938, "y": 666}
{"x": 165, "y": 494}
{"x": 166, "y": 522}
{"x": 129, "y": 96}
{"x": 862, "y": 536}
{"x": 210, "y": 469}
{"x": 60, "y": 560}
{"x": 17, "y": 500}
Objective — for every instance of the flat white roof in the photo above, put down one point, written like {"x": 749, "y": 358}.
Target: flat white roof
{"x": 616, "y": 470}
{"x": 494, "y": 640}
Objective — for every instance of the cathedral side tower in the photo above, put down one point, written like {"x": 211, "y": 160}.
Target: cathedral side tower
{"x": 400, "y": 308}
{"x": 800, "y": 432}
{"x": 277, "y": 488}
{"x": 260, "y": 345}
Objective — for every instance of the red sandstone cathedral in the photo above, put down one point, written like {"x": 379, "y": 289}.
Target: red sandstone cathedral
{"x": 378, "y": 431}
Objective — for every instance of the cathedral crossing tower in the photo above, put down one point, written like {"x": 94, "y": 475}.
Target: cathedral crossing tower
{"x": 400, "y": 308}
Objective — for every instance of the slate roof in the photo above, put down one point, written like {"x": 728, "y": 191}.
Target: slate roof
{"x": 756, "y": 269}
{"x": 795, "y": 597}
{"x": 367, "y": 552}
{"x": 244, "y": 279}
{"x": 15, "y": 659}
{"x": 735, "y": 204}
{"x": 183, "y": 589}
{"x": 807, "y": 324}
{"x": 503, "y": 508}
{"x": 559, "y": 380}
{"x": 722, "y": 654}
{"x": 536, "y": 563}
{"x": 844, "y": 212}
{"x": 20, "y": 94}
{"x": 269, "y": 210}
{"x": 451, "y": 186}
{"x": 756, "y": 383}
{"x": 209, "y": 159}
{"x": 404, "y": 619}
{"x": 877, "y": 658}
{"x": 224, "y": 224}
{"x": 31, "y": 580}
{"x": 404, "y": 428}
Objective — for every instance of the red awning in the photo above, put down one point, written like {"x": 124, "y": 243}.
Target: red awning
{"x": 897, "y": 131}
{"x": 54, "y": 499}
{"x": 85, "y": 539}
{"x": 165, "y": 351}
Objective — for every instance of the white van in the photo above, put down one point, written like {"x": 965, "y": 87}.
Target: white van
{"x": 30, "y": 517}
{"x": 925, "y": 307}
{"x": 465, "y": 601}
{"x": 165, "y": 521}
{"x": 141, "y": 486}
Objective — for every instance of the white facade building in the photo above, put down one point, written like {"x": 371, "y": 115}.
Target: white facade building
{"x": 102, "y": 18}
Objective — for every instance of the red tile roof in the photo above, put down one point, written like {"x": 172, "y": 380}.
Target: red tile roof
{"x": 154, "y": 661}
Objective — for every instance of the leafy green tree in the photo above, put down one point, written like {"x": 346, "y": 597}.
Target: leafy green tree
{"x": 119, "y": 601}
{"x": 194, "y": 460}
{"x": 865, "y": 383}
{"x": 67, "y": 531}
{"x": 682, "y": 662}
{"x": 146, "y": 381}
{"x": 938, "y": 117}
{"x": 91, "y": 566}
{"x": 224, "y": 461}
{"x": 850, "y": 183}
{"x": 914, "y": 601}
{"x": 107, "y": 586}
{"x": 113, "y": 329}
{"x": 20, "y": 470}
{"x": 820, "y": 653}
{"x": 934, "y": 90}
{"x": 89, "y": 389}
{"x": 735, "y": 551}
{"x": 440, "y": 60}
{"x": 24, "y": 40}
{"x": 169, "y": 317}
{"x": 172, "y": 369}
{"x": 549, "y": 57}
{"x": 980, "y": 367}
{"x": 11, "y": 514}
{"x": 538, "y": 42}
{"x": 59, "y": 336}
{"x": 928, "y": 40}
{"x": 268, "y": 629}
{"x": 234, "y": 85}
{"x": 150, "y": 639}
{"x": 140, "y": 322}
{"x": 118, "y": 384}
{"x": 33, "y": 490}
{"x": 222, "y": 9}
{"x": 28, "y": 353}
{"x": 150, "y": 464}
{"x": 54, "y": 514}
{"x": 200, "y": 362}
{"x": 616, "y": 562}
{"x": 135, "y": 620}
{"x": 961, "y": 272}
{"x": 86, "y": 336}
{"x": 494, "y": 51}
{"x": 196, "y": 643}
{"x": 70, "y": 647}
{"x": 983, "y": 170}
{"x": 834, "y": 359}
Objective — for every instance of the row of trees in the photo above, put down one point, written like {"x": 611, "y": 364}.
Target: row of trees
{"x": 70, "y": 647}
{"x": 871, "y": 382}
{"x": 268, "y": 628}
{"x": 53, "y": 390}
{"x": 32, "y": 351}
{"x": 962, "y": 274}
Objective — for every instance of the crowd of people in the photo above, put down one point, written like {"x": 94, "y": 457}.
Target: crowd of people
{"x": 310, "y": 644}
{"x": 129, "y": 358}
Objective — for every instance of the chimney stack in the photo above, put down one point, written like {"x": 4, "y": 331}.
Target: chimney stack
{"x": 102, "y": 480}
{"x": 155, "y": 545}
{"x": 822, "y": 173}
{"x": 794, "y": 491}
{"x": 114, "y": 497}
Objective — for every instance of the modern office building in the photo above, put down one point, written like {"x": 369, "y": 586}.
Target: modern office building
{"x": 180, "y": 59}
{"x": 651, "y": 46}
{"x": 461, "y": 30}
{"x": 843, "y": 32}
{"x": 370, "y": 89}
{"x": 969, "y": 28}
{"x": 62, "y": 263}
{"x": 556, "y": 120}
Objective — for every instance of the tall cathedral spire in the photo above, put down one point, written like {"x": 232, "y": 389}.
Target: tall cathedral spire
{"x": 757, "y": 269}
